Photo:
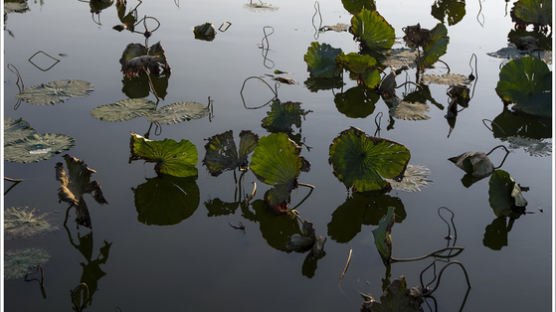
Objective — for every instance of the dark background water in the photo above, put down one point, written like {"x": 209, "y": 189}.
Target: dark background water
{"x": 202, "y": 264}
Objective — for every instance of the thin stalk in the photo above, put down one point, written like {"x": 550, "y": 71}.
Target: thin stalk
{"x": 435, "y": 254}
{"x": 312, "y": 187}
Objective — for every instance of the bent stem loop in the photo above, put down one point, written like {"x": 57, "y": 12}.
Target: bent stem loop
{"x": 435, "y": 254}
{"x": 505, "y": 156}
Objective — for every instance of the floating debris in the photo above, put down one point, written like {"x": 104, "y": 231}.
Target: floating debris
{"x": 446, "y": 79}
{"x": 23, "y": 222}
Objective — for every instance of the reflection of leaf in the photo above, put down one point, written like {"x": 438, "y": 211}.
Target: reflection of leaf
{"x": 355, "y": 6}
{"x": 173, "y": 158}
{"x": 366, "y": 208}
{"x": 527, "y": 82}
{"x": 509, "y": 124}
{"x": 124, "y": 110}
{"x": 321, "y": 60}
{"x": 383, "y": 236}
{"x": 361, "y": 162}
{"x": 496, "y": 233}
{"x": 436, "y": 46}
{"x": 55, "y": 91}
{"x": 98, "y": 5}
{"x": 36, "y": 147}
{"x": 276, "y": 160}
{"x": 216, "y": 207}
{"x": 396, "y": 298}
{"x": 373, "y": 30}
{"x": 21, "y": 262}
{"x": 178, "y": 112}
{"x": 453, "y": 9}
{"x": 512, "y": 52}
{"x": 316, "y": 84}
{"x": 221, "y": 153}
{"x": 166, "y": 200}
{"x": 475, "y": 163}
{"x": 282, "y": 116}
{"x": 206, "y": 32}
{"x": 531, "y": 41}
{"x": 277, "y": 230}
{"x": 24, "y": 222}
{"x": 415, "y": 177}
{"x": 536, "y": 12}
{"x": 357, "y": 102}
{"x": 445, "y": 79}
{"x": 422, "y": 94}
{"x": 504, "y": 195}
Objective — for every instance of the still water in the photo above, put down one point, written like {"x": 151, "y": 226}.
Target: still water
{"x": 201, "y": 262}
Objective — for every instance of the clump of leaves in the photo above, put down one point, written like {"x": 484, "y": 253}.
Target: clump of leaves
{"x": 527, "y": 82}
{"x": 321, "y": 60}
{"x": 206, "y": 32}
{"x": 361, "y": 162}
{"x": 282, "y": 116}
{"x": 532, "y": 12}
{"x": 222, "y": 154}
{"x": 21, "y": 262}
{"x": 504, "y": 195}
{"x": 373, "y": 30}
{"x": 396, "y": 297}
{"x": 433, "y": 42}
{"x": 362, "y": 68}
{"x": 172, "y": 158}
{"x": 22, "y": 222}
{"x": 54, "y": 92}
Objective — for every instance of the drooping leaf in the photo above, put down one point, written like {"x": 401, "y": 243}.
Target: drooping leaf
{"x": 355, "y": 6}
{"x": 172, "y": 158}
{"x": 415, "y": 177}
{"x": 55, "y": 91}
{"x": 527, "y": 82}
{"x": 452, "y": 10}
{"x": 416, "y": 37}
{"x": 475, "y": 163}
{"x": 361, "y": 162}
{"x": 36, "y": 147}
{"x": 22, "y": 222}
{"x": 459, "y": 95}
{"x": 373, "y": 30}
{"x": 445, "y": 79}
{"x": 124, "y": 110}
{"x": 166, "y": 200}
{"x": 16, "y": 130}
{"x": 136, "y": 59}
{"x": 357, "y": 102}
{"x": 383, "y": 236}
{"x": 435, "y": 47}
{"x": 21, "y": 262}
{"x": 178, "y": 112}
{"x": 504, "y": 195}
{"x": 205, "y": 31}
{"x": 276, "y": 160}
{"x": 396, "y": 298}
{"x": 77, "y": 182}
{"x": 535, "y": 12}
{"x": 282, "y": 116}
{"x": 98, "y": 5}
{"x": 221, "y": 153}
{"x": 321, "y": 60}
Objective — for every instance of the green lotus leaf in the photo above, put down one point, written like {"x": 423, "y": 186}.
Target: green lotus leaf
{"x": 276, "y": 160}
{"x": 361, "y": 162}
{"x": 475, "y": 163}
{"x": 178, "y": 112}
{"x": 454, "y": 10}
{"x": 355, "y": 6}
{"x": 55, "y": 91}
{"x": 36, "y": 147}
{"x": 536, "y": 12}
{"x": 131, "y": 51}
{"x": 19, "y": 263}
{"x": 22, "y": 222}
{"x": 373, "y": 30}
{"x": 366, "y": 208}
{"x": 396, "y": 298}
{"x": 166, "y": 200}
{"x": 16, "y": 130}
{"x": 504, "y": 195}
{"x": 222, "y": 154}
{"x": 282, "y": 116}
{"x": 383, "y": 236}
{"x": 356, "y": 63}
{"x": 124, "y": 110}
{"x": 371, "y": 78}
{"x": 216, "y": 207}
{"x": 436, "y": 46}
{"x": 278, "y": 197}
{"x": 527, "y": 82}
{"x": 157, "y": 50}
{"x": 206, "y": 32}
{"x": 173, "y": 158}
{"x": 321, "y": 60}
{"x": 357, "y": 102}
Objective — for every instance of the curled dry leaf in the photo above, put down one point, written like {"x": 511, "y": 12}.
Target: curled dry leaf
{"x": 446, "y": 79}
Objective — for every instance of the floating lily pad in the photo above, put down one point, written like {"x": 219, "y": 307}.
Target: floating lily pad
{"x": 124, "y": 110}
{"x": 172, "y": 158}
{"x": 55, "y": 91}
{"x": 398, "y": 58}
{"x": 16, "y": 130}
{"x": 221, "y": 153}
{"x": 21, "y": 262}
{"x": 361, "y": 162}
{"x": 166, "y": 200}
{"x": 435, "y": 47}
{"x": 527, "y": 82}
{"x": 355, "y": 6}
{"x": 373, "y": 30}
{"x": 383, "y": 236}
{"x": 534, "y": 12}
{"x": 504, "y": 195}
{"x": 178, "y": 112}
{"x": 475, "y": 163}
{"x": 206, "y": 32}
{"x": 409, "y": 111}
{"x": 321, "y": 60}
{"x": 357, "y": 102}
{"x": 396, "y": 298}
{"x": 276, "y": 160}
{"x": 415, "y": 177}
{"x": 282, "y": 116}
{"x": 36, "y": 147}
{"x": 451, "y": 10}
{"x": 422, "y": 95}
{"x": 22, "y": 222}
{"x": 445, "y": 79}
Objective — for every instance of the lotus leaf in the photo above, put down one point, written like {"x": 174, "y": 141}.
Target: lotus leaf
{"x": 373, "y": 30}
{"x": 504, "y": 195}
{"x": 173, "y": 158}
{"x": 178, "y": 112}
{"x": 415, "y": 177}
{"x": 535, "y": 148}
{"x": 36, "y": 147}
{"x": 453, "y": 9}
{"x": 16, "y": 130}
{"x": 282, "y": 116}
{"x": 355, "y": 6}
{"x": 435, "y": 47}
{"x": 356, "y": 63}
{"x": 221, "y": 153}
{"x": 475, "y": 163}
{"x": 536, "y": 12}
{"x": 357, "y": 102}
{"x": 527, "y": 82}
{"x": 339, "y": 27}
{"x": 445, "y": 79}
{"x": 276, "y": 160}
{"x": 21, "y": 262}
{"x": 260, "y": 6}
{"x": 383, "y": 236}
{"x": 361, "y": 162}
{"x": 321, "y": 60}
{"x": 278, "y": 197}
{"x": 396, "y": 298}
{"x": 124, "y": 110}
{"x": 55, "y": 91}
{"x": 206, "y": 32}
{"x": 531, "y": 41}
{"x": 166, "y": 200}
{"x": 24, "y": 222}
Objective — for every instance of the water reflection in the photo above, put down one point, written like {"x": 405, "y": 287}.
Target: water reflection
{"x": 356, "y": 102}
{"x": 451, "y": 10}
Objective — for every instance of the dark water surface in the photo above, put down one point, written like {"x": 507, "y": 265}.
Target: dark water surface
{"x": 203, "y": 264}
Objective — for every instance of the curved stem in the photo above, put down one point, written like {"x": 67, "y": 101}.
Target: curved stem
{"x": 445, "y": 64}
{"x": 505, "y": 156}
{"x": 435, "y": 254}
{"x": 466, "y": 280}
{"x": 275, "y": 92}
{"x": 312, "y": 187}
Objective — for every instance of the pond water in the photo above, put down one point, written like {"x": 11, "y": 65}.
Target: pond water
{"x": 206, "y": 251}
